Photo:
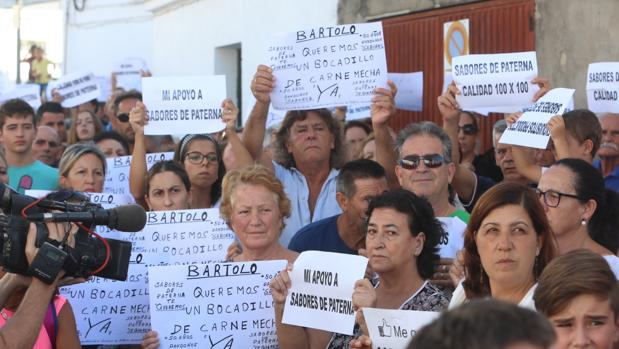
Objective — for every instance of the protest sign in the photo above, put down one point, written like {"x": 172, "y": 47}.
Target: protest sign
{"x": 603, "y": 87}
{"x": 531, "y": 129}
{"x": 453, "y": 242}
{"x": 394, "y": 329}
{"x": 105, "y": 88}
{"x": 495, "y": 81}
{"x": 358, "y": 111}
{"x": 275, "y": 117}
{"x": 106, "y": 200}
{"x": 30, "y": 93}
{"x": 117, "y": 171}
{"x": 327, "y": 66}
{"x": 182, "y": 105}
{"x": 114, "y": 312}
{"x": 75, "y": 89}
{"x": 217, "y": 305}
{"x": 410, "y": 90}
{"x": 129, "y": 73}
{"x": 321, "y": 293}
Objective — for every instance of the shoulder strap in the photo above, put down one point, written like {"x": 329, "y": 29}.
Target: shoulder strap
{"x": 51, "y": 323}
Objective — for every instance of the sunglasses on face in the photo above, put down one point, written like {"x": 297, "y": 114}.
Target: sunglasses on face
{"x": 411, "y": 162}
{"x": 124, "y": 117}
{"x": 468, "y": 129}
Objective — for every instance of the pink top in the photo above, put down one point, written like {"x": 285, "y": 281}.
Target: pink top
{"x": 43, "y": 341}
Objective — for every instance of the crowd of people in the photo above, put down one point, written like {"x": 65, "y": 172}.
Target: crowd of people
{"x": 443, "y": 225}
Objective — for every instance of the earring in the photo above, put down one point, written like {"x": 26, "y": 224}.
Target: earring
{"x": 583, "y": 222}
{"x": 537, "y": 252}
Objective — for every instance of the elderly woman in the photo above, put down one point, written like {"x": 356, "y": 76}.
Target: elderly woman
{"x": 254, "y": 205}
{"x": 84, "y": 127}
{"x": 579, "y": 293}
{"x": 581, "y": 211}
{"x": 401, "y": 242}
{"x": 82, "y": 168}
{"x": 507, "y": 244}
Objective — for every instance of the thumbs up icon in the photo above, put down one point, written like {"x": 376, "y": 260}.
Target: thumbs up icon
{"x": 384, "y": 330}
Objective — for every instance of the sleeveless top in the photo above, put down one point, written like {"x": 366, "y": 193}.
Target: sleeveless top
{"x": 43, "y": 340}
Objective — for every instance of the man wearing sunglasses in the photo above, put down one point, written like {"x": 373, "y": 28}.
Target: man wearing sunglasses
{"x": 120, "y": 122}
{"x": 424, "y": 167}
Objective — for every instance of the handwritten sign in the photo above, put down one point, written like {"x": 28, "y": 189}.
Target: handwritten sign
{"x": 410, "y": 90}
{"x": 328, "y": 66}
{"x": 75, "y": 89}
{"x": 498, "y": 80}
{"x": 117, "y": 171}
{"x": 106, "y": 200}
{"x": 390, "y": 328}
{"x": 217, "y": 305}
{"x": 454, "y": 241}
{"x": 321, "y": 292}
{"x": 30, "y": 93}
{"x": 129, "y": 73}
{"x": 114, "y": 312}
{"x": 531, "y": 129}
{"x": 603, "y": 87}
{"x": 182, "y": 105}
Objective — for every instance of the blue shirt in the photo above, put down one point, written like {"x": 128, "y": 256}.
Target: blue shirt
{"x": 36, "y": 175}
{"x": 320, "y": 236}
{"x": 612, "y": 180}
{"x": 297, "y": 190}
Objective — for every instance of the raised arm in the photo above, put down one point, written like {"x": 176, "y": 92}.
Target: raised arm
{"x": 556, "y": 126}
{"x": 383, "y": 109}
{"x": 241, "y": 155}
{"x": 524, "y": 164}
{"x": 137, "y": 169}
{"x": 464, "y": 179}
{"x": 253, "y": 134}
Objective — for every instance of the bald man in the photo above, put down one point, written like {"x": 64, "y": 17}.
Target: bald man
{"x": 46, "y": 147}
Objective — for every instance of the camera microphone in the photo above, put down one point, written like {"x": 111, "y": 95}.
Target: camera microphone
{"x": 127, "y": 218}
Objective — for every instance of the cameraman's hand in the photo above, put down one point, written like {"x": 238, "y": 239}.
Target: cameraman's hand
{"x": 56, "y": 231}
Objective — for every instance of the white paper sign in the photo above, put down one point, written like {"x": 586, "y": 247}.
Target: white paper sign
{"x": 30, "y": 93}
{"x": 105, "y": 88}
{"x": 117, "y": 171}
{"x": 114, "y": 312}
{"x": 275, "y": 117}
{"x": 321, "y": 293}
{"x": 454, "y": 227}
{"x": 531, "y": 129}
{"x": 394, "y": 329}
{"x": 410, "y": 90}
{"x": 326, "y": 67}
{"x": 129, "y": 73}
{"x": 182, "y": 105}
{"x": 495, "y": 81}
{"x": 603, "y": 87}
{"x": 106, "y": 200}
{"x": 217, "y": 305}
{"x": 358, "y": 111}
{"x": 75, "y": 89}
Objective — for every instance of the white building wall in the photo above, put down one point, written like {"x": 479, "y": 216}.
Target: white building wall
{"x": 106, "y": 32}
{"x": 187, "y": 33}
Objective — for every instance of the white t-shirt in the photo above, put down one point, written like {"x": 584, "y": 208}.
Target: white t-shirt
{"x": 613, "y": 262}
{"x": 459, "y": 297}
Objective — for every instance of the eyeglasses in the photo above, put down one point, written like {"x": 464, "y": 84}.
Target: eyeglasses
{"x": 196, "y": 158}
{"x": 552, "y": 198}
{"x": 468, "y": 129}
{"x": 124, "y": 117}
{"x": 411, "y": 162}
